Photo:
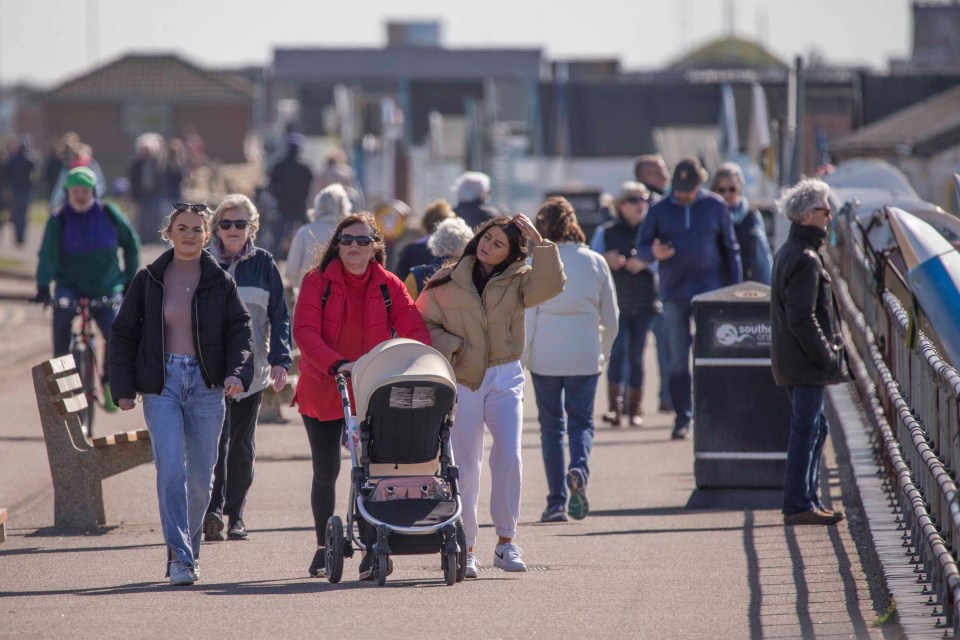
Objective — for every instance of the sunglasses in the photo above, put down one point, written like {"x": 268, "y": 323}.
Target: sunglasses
{"x": 636, "y": 199}
{"x": 825, "y": 210}
{"x": 362, "y": 241}
{"x": 726, "y": 189}
{"x": 239, "y": 224}
{"x": 188, "y": 206}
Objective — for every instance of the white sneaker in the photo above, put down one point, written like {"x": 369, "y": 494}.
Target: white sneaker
{"x": 180, "y": 575}
{"x": 509, "y": 557}
{"x": 473, "y": 565}
{"x": 195, "y": 573}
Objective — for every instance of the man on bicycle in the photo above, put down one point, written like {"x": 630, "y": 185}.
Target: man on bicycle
{"x": 79, "y": 253}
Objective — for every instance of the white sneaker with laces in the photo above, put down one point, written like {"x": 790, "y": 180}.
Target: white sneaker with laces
{"x": 509, "y": 557}
{"x": 180, "y": 575}
{"x": 473, "y": 565}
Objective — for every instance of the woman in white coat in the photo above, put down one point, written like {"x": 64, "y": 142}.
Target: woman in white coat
{"x": 330, "y": 207}
{"x": 568, "y": 340}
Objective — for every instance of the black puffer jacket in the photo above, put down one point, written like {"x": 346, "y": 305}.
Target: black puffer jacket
{"x": 807, "y": 345}
{"x": 636, "y": 292}
{"x": 222, "y": 338}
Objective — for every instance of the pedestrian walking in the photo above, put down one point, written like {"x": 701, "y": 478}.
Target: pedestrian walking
{"x": 329, "y": 207}
{"x": 446, "y": 244}
{"x": 475, "y": 312}
{"x": 235, "y": 225}
{"x": 569, "y": 338}
{"x": 290, "y": 184}
{"x": 755, "y": 254}
{"x": 807, "y": 353}
{"x": 417, "y": 251}
{"x": 347, "y": 305}
{"x": 147, "y": 186}
{"x": 473, "y": 190}
{"x": 78, "y": 155}
{"x": 182, "y": 341}
{"x": 639, "y": 306}
{"x": 22, "y": 172}
{"x": 691, "y": 234}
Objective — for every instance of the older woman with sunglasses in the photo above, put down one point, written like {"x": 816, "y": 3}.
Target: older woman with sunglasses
{"x": 347, "y": 305}
{"x": 235, "y": 225}
{"x": 755, "y": 253}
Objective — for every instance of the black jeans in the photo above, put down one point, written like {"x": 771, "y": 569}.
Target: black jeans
{"x": 233, "y": 473}
{"x": 325, "y": 445}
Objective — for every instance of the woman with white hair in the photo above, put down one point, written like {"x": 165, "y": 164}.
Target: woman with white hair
{"x": 755, "y": 254}
{"x": 330, "y": 206}
{"x": 445, "y": 244}
{"x": 235, "y": 225}
{"x": 473, "y": 189}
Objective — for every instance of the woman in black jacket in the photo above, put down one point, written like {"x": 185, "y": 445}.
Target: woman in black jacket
{"x": 182, "y": 340}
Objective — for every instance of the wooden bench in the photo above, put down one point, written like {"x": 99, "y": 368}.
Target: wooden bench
{"x": 77, "y": 464}
{"x": 3, "y": 525}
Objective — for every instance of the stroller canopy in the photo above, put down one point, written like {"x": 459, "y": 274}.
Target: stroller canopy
{"x": 397, "y": 361}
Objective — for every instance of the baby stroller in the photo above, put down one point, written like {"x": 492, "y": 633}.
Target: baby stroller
{"x": 403, "y": 493}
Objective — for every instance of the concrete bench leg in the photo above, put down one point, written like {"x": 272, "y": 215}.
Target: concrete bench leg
{"x": 79, "y": 505}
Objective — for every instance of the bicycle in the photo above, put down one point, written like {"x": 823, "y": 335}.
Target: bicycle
{"x": 83, "y": 348}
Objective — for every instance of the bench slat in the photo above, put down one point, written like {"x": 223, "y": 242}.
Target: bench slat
{"x": 62, "y": 386}
{"x": 3, "y": 516}
{"x": 59, "y": 365}
{"x": 121, "y": 438}
{"x": 72, "y": 404}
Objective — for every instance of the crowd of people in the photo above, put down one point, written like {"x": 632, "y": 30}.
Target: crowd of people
{"x": 204, "y": 330}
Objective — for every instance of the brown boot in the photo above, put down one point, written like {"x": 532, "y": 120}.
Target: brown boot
{"x": 634, "y": 402}
{"x": 615, "y": 400}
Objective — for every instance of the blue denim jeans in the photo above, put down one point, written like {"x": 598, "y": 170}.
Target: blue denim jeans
{"x": 555, "y": 394}
{"x": 184, "y": 423}
{"x": 663, "y": 357}
{"x": 676, "y": 320}
{"x": 808, "y": 434}
{"x": 626, "y": 355}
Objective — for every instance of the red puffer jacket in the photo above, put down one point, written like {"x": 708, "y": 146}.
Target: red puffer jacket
{"x": 316, "y": 327}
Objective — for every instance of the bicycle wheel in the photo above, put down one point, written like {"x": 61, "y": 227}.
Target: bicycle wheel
{"x": 86, "y": 368}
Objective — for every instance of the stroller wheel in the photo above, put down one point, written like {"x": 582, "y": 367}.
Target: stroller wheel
{"x": 334, "y": 549}
{"x": 381, "y": 569}
{"x": 450, "y": 569}
{"x": 462, "y": 556}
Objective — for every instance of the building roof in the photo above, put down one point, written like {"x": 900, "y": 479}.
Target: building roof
{"x": 729, "y": 53}
{"x": 922, "y": 129}
{"x": 150, "y": 77}
{"x": 416, "y": 63}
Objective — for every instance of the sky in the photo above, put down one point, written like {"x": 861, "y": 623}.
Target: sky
{"x": 45, "y": 42}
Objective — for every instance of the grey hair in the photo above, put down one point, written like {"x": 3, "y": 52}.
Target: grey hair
{"x": 801, "y": 197}
{"x": 450, "y": 237}
{"x": 729, "y": 171}
{"x": 471, "y": 186}
{"x": 237, "y": 201}
{"x": 333, "y": 201}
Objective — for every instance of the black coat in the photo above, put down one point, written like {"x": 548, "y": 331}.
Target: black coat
{"x": 475, "y": 213}
{"x": 636, "y": 292}
{"x": 222, "y": 338}
{"x": 807, "y": 344}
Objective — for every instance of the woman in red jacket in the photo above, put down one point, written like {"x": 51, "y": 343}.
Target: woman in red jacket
{"x": 347, "y": 305}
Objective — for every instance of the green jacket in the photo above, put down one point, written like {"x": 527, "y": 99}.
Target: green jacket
{"x": 79, "y": 251}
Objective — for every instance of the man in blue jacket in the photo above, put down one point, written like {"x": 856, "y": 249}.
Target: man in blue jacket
{"x": 691, "y": 234}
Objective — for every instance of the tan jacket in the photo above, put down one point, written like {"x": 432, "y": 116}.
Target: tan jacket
{"x": 475, "y": 332}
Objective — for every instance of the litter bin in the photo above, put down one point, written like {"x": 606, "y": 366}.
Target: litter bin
{"x": 741, "y": 417}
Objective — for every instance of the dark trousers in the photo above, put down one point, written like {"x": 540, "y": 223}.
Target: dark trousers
{"x": 233, "y": 473}
{"x": 19, "y": 209}
{"x": 808, "y": 434}
{"x": 626, "y": 354}
{"x": 325, "y": 438}
{"x": 676, "y": 320}
{"x": 65, "y": 310}
{"x": 564, "y": 404}
{"x": 663, "y": 357}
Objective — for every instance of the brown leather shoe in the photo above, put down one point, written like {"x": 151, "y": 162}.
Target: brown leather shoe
{"x": 634, "y": 404}
{"x": 813, "y": 516}
{"x": 615, "y": 399}
{"x": 831, "y": 512}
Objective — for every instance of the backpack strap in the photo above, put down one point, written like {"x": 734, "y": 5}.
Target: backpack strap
{"x": 326, "y": 294}
{"x": 385, "y": 292}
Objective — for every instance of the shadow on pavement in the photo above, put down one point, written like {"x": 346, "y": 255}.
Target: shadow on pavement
{"x": 35, "y": 550}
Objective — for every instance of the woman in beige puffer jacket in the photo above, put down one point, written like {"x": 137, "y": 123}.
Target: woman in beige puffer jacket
{"x": 474, "y": 310}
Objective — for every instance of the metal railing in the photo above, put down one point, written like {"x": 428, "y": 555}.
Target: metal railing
{"x": 911, "y": 396}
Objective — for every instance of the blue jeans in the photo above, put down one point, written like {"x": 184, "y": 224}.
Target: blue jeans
{"x": 184, "y": 423}
{"x": 63, "y": 319}
{"x": 808, "y": 434}
{"x": 663, "y": 357}
{"x": 626, "y": 355}
{"x": 554, "y": 394}
{"x": 676, "y": 320}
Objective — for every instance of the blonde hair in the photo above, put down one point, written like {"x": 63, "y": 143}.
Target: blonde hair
{"x": 238, "y": 201}
{"x": 170, "y": 219}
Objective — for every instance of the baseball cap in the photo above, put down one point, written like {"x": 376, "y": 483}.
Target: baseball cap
{"x": 81, "y": 177}
{"x": 687, "y": 176}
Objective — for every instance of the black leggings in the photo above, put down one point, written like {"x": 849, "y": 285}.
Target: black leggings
{"x": 325, "y": 438}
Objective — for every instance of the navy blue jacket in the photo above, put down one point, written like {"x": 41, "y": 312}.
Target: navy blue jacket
{"x": 707, "y": 254}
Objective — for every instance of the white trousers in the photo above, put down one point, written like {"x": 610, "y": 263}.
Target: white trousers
{"x": 498, "y": 403}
